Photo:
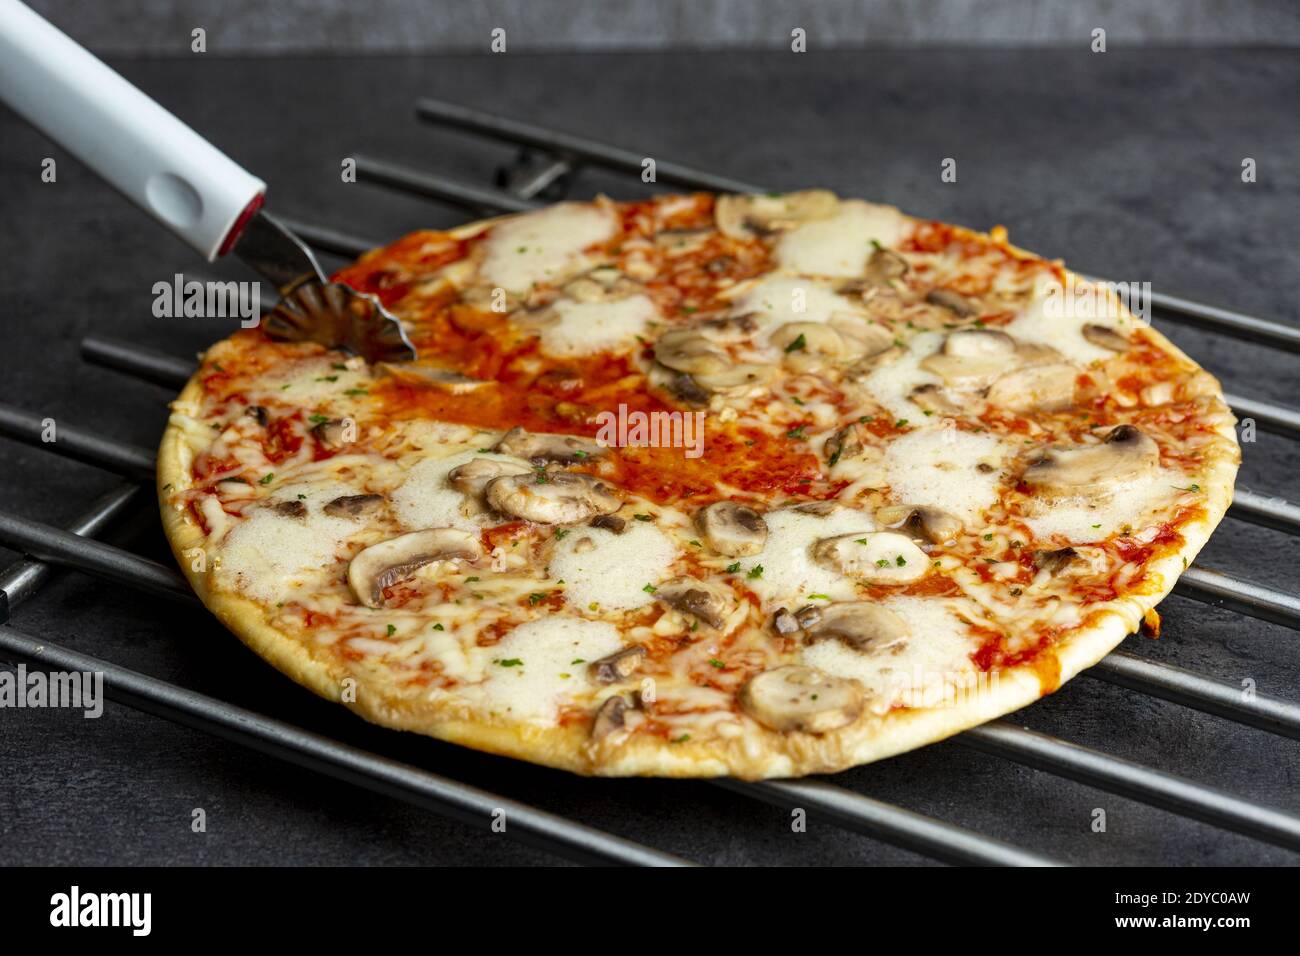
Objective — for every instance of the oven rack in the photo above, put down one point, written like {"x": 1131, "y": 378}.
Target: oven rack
{"x": 46, "y": 546}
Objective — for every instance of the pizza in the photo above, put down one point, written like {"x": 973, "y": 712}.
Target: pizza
{"x": 700, "y": 485}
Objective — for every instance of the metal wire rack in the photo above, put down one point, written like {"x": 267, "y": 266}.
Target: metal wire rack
{"x": 543, "y": 171}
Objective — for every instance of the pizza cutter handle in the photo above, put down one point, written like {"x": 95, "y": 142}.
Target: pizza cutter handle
{"x": 162, "y": 165}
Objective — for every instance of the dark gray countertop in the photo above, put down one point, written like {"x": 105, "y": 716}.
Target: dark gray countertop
{"x": 1125, "y": 164}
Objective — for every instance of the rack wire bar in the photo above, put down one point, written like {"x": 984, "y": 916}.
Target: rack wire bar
{"x": 1183, "y": 687}
{"x": 905, "y": 828}
{"x": 537, "y": 182}
{"x": 481, "y": 199}
{"x": 1135, "y": 781}
{"x": 1245, "y": 597}
{"x": 1278, "y": 419}
{"x": 77, "y": 444}
{"x": 149, "y": 364}
{"x": 1038, "y": 750}
{"x": 25, "y": 576}
{"x": 1265, "y": 510}
{"x": 135, "y": 360}
{"x": 119, "y": 457}
{"x": 1237, "y": 324}
{"x": 537, "y": 828}
{"x": 571, "y": 147}
{"x": 323, "y": 239}
{"x": 56, "y": 546}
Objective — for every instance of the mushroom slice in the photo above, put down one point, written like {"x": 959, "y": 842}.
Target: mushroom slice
{"x": 954, "y": 302}
{"x": 609, "y": 717}
{"x": 861, "y": 336}
{"x": 736, "y": 376}
{"x": 808, "y": 615}
{"x": 921, "y": 521}
{"x": 973, "y": 358}
{"x": 807, "y": 346}
{"x": 691, "y": 351}
{"x": 885, "y": 265}
{"x": 1106, "y": 337}
{"x": 1054, "y": 562}
{"x": 335, "y": 433}
{"x": 1035, "y": 353}
{"x": 861, "y": 625}
{"x": 822, "y": 508}
{"x": 384, "y": 564}
{"x": 732, "y": 529}
{"x": 1094, "y": 471}
{"x": 618, "y": 666}
{"x": 978, "y": 343}
{"x": 1034, "y": 388}
{"x": 882, "y": 557}
{"x": 290, "y": 509}
{"x": 353, "y": 506}
{"x": 543, "y": 446}
{"x": 865, "y": 366}
{"x": 846, "y": 444}
{"x": 802, "y": 699}
{"x": 471, "y": 478}
{"x": 610, "y": 523}
{"x": 604, "y": 284}
{"x": 695, "y": 598}
{"x": 551, "y": 497}
{"x": 746, "y": 217}
{"x": 933, "y": 398}
{"x": 784, "y": 623}
{"x": 678, "y": 384}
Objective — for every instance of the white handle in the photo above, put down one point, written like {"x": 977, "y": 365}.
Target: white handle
{"x": 161, "y": 164}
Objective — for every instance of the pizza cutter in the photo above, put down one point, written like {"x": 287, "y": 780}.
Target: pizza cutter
{"x": 184, "y": 182}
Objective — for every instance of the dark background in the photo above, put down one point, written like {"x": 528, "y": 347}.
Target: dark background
{"x": 1127, "y": 164}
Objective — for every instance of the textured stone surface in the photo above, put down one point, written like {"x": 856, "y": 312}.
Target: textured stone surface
{"x": 411, "y": 26}
{"x": 1126, "y": 165}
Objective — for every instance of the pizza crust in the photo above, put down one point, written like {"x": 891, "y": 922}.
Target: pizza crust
{"x": 759, "y": 753}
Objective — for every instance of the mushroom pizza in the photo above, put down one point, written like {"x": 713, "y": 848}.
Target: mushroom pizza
{"x": 747, "y": 485}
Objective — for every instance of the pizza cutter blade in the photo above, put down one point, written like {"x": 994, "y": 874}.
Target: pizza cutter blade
{"x": 311, "y": 308}
{"x": 183, "y": 181}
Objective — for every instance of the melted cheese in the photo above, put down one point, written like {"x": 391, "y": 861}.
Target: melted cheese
{"x": 611, "y": 570}
{"x": 1132, "y": 508}
{"x": 543, "y": 246}
{"x": 780, "y": 299}
{"x": 540, "y": 664}
{"x": 314, "y": 382}
{"x": 939, "y": 467}
{"x": 891, "y": 384}
{"x": 789, "y": 571}
{"x": 1049, "y": 320}
{"x": 425, "y": 500}
{"x": 584, "y": 328}
{"x": 269, "y": 556}
{"x": 841, "y": 244}
{"x": 930, "y": 667}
